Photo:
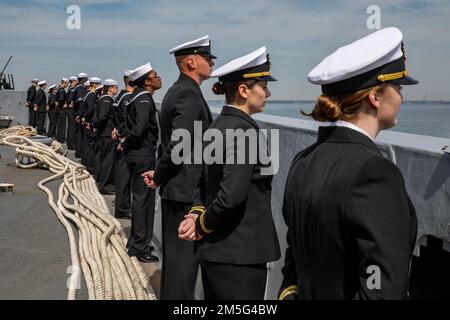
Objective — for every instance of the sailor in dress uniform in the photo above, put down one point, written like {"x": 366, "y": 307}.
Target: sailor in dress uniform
{"x": 123, "y": 192}
{"x": 182, "y": 106}
{"x": 60, "y": 110}
{"x": 350, "y": 220}
{"x": 139, "y": 147}
{"x": 70, "y": 139}
{"x": 235, "y": 230}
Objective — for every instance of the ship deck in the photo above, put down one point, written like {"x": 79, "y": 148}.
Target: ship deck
{"x": 34, "y": 248}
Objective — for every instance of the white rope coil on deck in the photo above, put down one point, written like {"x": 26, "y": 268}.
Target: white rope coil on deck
{"x": 28, "y": 132}
{"x": 101, "y": 250}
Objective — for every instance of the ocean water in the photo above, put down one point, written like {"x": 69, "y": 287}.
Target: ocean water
{"x": 424, "y": 118}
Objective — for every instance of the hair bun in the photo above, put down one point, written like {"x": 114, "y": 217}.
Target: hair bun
{"x": 327, "y": 109}
{"x": 218, "y": 88}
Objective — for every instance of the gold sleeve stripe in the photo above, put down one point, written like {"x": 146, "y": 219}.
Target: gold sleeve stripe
{"x": 202, "y": 223}
{"x": 289, "y": 290}
{"x": 200, "y": 209}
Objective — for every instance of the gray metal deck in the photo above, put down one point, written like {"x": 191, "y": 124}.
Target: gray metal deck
{"x": 34, "y": 248}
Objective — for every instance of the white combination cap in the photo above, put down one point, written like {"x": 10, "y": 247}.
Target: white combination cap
{"x": 255, "y": 65}
{"x": 200, "y": 46}
{"x": 372, "y": 60}
{"x": 140, "y": 71}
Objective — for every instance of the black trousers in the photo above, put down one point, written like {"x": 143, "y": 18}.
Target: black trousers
{"x": 91, "y": 154}
{"x": 106, "y": 165}
{"x": 61, "y": 125}
{"x": 70, "y": 140}
{"x": 52, "y": 119}
{"x": 142, "y": 206}
{"x": 123, "y": 187}
{"x": 78, "y": 139}
{"x": 32, "y": 117}
{"x": 179, "y": 264}
{"x": 84, "y": 146}
{"x": 233, "y": 282}
{"x": 41, "y": 122}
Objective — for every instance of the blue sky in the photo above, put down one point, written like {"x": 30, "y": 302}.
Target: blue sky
{"x": 120, "y": 34}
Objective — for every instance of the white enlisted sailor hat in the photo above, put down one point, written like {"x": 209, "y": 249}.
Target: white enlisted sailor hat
{"x": 53, "y": 86}
{"x": 63, "y": 79}
{"x": 87, "y": 83}
{"x": 127, "y": 73}
{"x": 42, "y": 82}
{"x": 99, "y": 87}
{"x": 82, "y": 75}
{"x": 253, "y": 66}
{"x": 110, "y": 82}
{"x": 200, "y": 46}
{"x": 73, "y": 78}
{"x": 95, "y": 80}
{"x": 35, "y": 80}
{"x": 375, "y": 59}
{"x": 140, "y": 71}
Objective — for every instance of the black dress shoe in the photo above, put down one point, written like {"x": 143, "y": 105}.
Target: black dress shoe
{"x": 148, "y": 258}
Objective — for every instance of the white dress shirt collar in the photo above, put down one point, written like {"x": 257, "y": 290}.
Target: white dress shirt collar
{"x": 341, "y": 123}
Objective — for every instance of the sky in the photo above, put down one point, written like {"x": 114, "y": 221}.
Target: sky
{"x": 123, "y": 34}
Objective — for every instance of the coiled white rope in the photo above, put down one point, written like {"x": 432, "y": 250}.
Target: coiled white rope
{"x": 29, "y": 132}
{"x": 101, "y": 250}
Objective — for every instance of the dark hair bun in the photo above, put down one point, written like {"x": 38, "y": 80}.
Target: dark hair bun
{"x": 218, "y": 88}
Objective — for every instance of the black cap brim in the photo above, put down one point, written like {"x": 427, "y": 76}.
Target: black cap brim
{"x": 210, "y": 56}
{"x": 406, "y": 81}
{"x": 265, "y": 78}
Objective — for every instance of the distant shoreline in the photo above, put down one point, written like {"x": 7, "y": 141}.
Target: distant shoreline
{"x": 443, "y": 102}
{"x": 313, "y": 101}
